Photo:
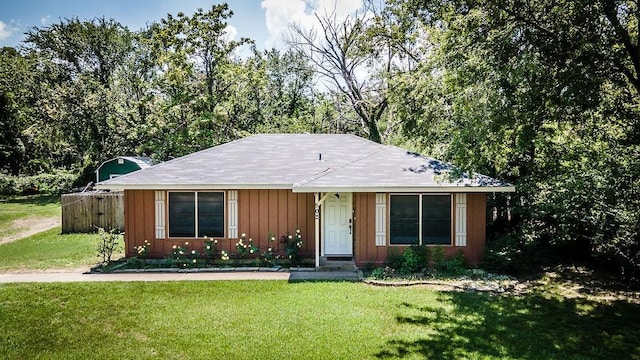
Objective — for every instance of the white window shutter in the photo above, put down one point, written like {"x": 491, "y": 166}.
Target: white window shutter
{"x": 233, "y": 214}
{"x": 160, "y": 218}
{"x": 461, "y": 219}
{"x": 381, "y": 217}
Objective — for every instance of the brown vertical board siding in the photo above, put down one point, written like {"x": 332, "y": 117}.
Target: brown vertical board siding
{"x": 278, "y": 212}
{"x": 476, "y": 227}
{"x": 365, "y": 250}
{"x": 140, "y": 219}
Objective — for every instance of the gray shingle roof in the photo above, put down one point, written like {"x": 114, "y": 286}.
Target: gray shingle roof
{"x": 291, "y": 161}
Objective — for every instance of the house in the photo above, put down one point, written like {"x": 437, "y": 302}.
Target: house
{"x": 120, "y": 166}
{"x": 350, "y": 197}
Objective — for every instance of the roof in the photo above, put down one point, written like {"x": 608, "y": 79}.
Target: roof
{"x": 142, "y": 161}
{"x": 306, "y": 163}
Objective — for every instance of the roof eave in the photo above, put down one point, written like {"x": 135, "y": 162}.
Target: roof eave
{"x": 107, "y": 186}
{"x": 405, "y": 189}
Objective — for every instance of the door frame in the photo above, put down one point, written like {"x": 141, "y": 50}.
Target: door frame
{"x": 322, "y": 225}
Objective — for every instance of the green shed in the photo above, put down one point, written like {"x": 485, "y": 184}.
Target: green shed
{"x": 120, "y": 166}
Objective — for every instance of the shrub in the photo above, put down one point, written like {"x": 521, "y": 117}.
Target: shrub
{"x": 456, "y": 265}
{"x": 182, "y": 257}
{"x": 394, "y": 258}
{"x": 503, "y": 254}
{"x": 211, "y": 250}
{"x": 143, "y": 250}
{"x": 245, "y": 247}
{"x": 56, "y": 182}
{"x": 438, "y": 256}
{"x": 293, "y": 245}
{"x": 107, "y": 244}
{"x": 410, "y": 261}
{"x": 377, "y": 273}
{"x": 424, "y": 255}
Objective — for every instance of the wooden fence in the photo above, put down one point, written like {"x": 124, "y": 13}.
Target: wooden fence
{"x": 83, "y": 212}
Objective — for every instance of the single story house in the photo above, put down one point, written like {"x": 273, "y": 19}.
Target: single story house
{"x": 121, "y": 165}
{"x": 348, "y": 196}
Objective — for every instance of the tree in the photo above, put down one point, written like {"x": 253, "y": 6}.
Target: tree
{"x": 542, "y": 94}
{"x": 76, "y": 62}
{"x": 349, "y": 54}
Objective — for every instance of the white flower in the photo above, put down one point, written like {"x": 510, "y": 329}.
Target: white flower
{"x": 194, "y": 261}
{"x": 186, "y": 244}
{"x": 208, "y": 247}
{"x": 215, "y": 241}
{"x": 243, "y": 235}
{"x": 175, "y": 247}
{"x": 290, "y": 237}
{"x": 193, "y": 252}
{"x": 270, "y": 249}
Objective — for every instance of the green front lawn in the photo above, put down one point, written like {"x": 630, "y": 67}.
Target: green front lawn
{"x": 49, "y": 250}
{"x": 30, "y": 208}
{"x": 280, "y": 320}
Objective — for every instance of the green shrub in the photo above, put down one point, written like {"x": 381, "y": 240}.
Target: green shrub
{"x": 456, "y": 265}
{"x": 394, "y": 258}
{"x": 424, "y": 255}
{"x": 410, "y": 261}
{"x": 108, "y": 243}
{"x": 438, "y": 256}
{"x": 378, "y": 273}
{"x": 503, "y": 254}
{"x": 56, "y": 182}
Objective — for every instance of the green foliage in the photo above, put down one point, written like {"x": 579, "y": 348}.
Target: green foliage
{"x": 211, "y": 250}
{"x": 293, "y": 245}
{"x": 183, "y": 257}
{"x": 411, "y": 261}
{"x": 377, "y": 273}
{"x": 437, "y": 255}
{"x": 245, "y": 247}
{"x": 50, "y": 183}
{"x": 270, "y": 256}
{"x": 394, "y": 258}
{"x": 108, "y": 243}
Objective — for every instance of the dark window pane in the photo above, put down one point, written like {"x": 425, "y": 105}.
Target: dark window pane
{"x": 436, "y": 219}
{"x": 182, "y": 214}
{"x": 210, "y": 214}
{"x": 403, "y": 218}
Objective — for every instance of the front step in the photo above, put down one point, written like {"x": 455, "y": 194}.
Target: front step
{"x": 328, "y": 264}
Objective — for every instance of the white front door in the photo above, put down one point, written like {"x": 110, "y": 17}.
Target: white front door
{"x": 338, "y": 225}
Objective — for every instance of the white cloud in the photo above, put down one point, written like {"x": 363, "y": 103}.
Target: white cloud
{"x": 44, "y": 20}
{"x": 231, "y": 32}
{"x": 280, "y": 13}
{"x": 5, "y": 31}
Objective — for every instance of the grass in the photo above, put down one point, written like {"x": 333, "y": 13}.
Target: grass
{"x": 26, "y": 207}
{"x": 49, "y": 250}
{"x": 321, "y": 320}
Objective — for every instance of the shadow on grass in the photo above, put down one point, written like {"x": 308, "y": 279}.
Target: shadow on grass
{"x": 469, "y": 325}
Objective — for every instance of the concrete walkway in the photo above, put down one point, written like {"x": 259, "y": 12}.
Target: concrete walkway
{"x": 176, "y": 276}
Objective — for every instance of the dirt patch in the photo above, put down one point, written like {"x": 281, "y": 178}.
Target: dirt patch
{"x": 30, "y": 226}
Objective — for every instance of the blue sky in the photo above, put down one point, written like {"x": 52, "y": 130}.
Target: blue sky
{"x": 264, "y": 21}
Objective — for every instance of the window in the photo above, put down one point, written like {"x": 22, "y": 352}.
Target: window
{"x": 420, "y": 219}
{"x": 196, "y": 214}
